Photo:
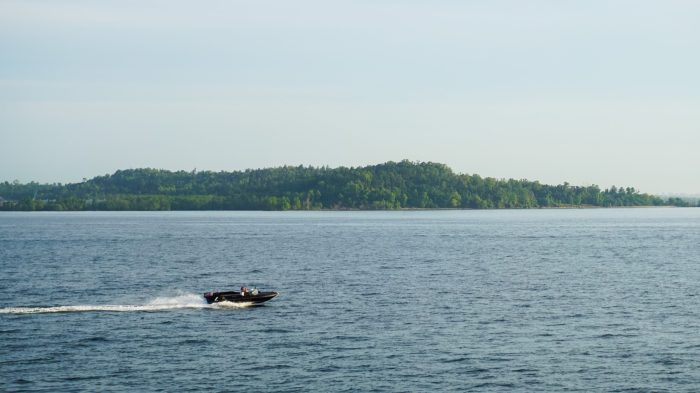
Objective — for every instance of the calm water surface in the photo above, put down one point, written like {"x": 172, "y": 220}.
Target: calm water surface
{"x": 520, "y": 300}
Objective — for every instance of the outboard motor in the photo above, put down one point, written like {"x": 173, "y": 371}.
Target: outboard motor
{"x": 209, "y": 296}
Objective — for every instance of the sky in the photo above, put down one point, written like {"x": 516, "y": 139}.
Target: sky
{"x": 602, "y": 92}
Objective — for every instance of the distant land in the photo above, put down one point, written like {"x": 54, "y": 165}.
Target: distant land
{"x": 692, "y": 199}
{"x": 388, "y": 186}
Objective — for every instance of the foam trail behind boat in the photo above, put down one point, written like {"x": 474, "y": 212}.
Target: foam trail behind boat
{"x": 157, "y": 304}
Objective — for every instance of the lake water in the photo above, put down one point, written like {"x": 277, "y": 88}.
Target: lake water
{"x": 507, "y": 300}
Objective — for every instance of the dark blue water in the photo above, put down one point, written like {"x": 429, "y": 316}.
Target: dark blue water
{"x": 533, "y": 300}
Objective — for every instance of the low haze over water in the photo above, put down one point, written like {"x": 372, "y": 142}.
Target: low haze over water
{"x": 508, "y": 300}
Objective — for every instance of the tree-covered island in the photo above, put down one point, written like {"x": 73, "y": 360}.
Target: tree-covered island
{"x": 392, "y": 185}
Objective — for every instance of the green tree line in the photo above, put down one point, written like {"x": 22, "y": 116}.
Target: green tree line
{"x": 392, "y": 185}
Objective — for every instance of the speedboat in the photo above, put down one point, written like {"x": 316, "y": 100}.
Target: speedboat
{"x": 253, "y": 296}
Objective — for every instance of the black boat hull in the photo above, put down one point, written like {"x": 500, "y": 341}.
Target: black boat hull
{"x": 236, "y": 297}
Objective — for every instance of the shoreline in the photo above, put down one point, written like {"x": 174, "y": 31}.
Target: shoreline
{"x": 409, "y": 209}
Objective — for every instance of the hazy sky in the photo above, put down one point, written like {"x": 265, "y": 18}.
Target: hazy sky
{"x": 600, "y": 92}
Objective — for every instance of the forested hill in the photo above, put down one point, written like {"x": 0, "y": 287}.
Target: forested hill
{"x": 392, "y": 185}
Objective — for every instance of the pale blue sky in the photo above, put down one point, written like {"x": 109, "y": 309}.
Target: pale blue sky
{"x": 589, "y": 92}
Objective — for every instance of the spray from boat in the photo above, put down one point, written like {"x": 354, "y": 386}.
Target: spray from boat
{"x": 184, "y": 301}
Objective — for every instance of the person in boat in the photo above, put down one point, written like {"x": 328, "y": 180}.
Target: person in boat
{"x": 255, "y": 291}
{"x": 243, "y": 291}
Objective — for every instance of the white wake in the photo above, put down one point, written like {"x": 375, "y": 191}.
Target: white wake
{"x": 157, "y": 304}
